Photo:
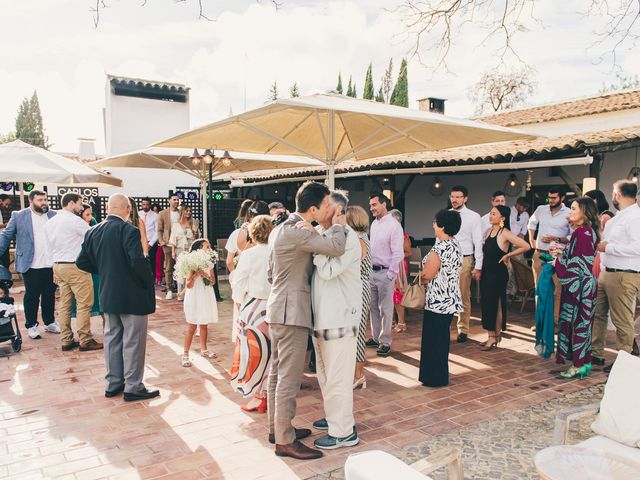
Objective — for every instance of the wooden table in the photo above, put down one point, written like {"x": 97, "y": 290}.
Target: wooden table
{"x": 573, "y": 462}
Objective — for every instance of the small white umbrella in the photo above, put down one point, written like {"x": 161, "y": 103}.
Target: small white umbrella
{"x": 333, "y": 128}
{"x": 21, "y": 162}
{"x": 182, "y": 159}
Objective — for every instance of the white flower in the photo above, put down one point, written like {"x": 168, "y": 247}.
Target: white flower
{"x": 192, "y": 262}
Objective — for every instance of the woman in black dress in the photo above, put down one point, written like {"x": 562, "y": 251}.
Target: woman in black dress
{"x": 495, "y": 275}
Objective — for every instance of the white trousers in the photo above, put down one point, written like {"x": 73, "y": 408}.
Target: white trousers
{"x": 335, "y": 367}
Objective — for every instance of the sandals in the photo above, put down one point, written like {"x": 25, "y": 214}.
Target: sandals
{"x": 185, "y": 361}
{"x": 400, "y": 327}
{"x": 208, "y": 354}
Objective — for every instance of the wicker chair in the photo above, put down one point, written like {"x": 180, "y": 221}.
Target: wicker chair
{"x": 524, "y": 281}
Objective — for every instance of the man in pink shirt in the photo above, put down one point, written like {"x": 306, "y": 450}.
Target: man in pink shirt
{"x": 386, "y": 253}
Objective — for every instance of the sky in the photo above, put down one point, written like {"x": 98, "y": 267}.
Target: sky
{"x": 231, "y": 61}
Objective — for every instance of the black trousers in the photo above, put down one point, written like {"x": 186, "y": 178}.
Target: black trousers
{"x": 152, "y": 259}
{"x": 434, "y": 352}
{"x": 5, "y": 259}
{"x": 40, "y": 291}
{"x": 216, "y": 287}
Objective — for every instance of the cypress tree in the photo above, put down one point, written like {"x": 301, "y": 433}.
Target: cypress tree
{"x": 29, "y": 125}
{"x": 400, "y": 94}
{"x": 294, "y": 92}
{"x": 367, "y": 94}
{"x": 339, "y": 87}
{"x": 273, "y": 92}
{"x": 354, "y": 91}
{"x": 349, "y": 89}
{"x": 380, "y": 96}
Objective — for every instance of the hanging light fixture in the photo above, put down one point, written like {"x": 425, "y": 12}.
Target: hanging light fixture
{"x": 634, "y": 173}
{"x": 226, "y": 158}
{"x": 209, "y": 156}
{"x": 436, "y": 187}
{"x": 195, "y": 157}
{"x": 512, "y": 187}
{"x": 529, "y": 183}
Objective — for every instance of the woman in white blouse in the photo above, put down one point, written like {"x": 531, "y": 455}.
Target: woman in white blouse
{"x": 183, "y": 233}
{"x": 251, "y": 288}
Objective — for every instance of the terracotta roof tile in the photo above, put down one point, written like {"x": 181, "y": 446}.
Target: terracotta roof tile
{"x": 611, "y": 102}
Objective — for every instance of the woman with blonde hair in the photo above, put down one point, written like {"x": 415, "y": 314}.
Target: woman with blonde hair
{"x": 250, "y": 291}
{"x": 183, "y": 233}
{"x": 358, "y": 220}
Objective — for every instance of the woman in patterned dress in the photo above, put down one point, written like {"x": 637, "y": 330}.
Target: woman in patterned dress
{"x": 441, "y": 274}
{"x": 250, "y": 290}
{"x": 358, "y": 219}
{"x": 574, "y": 268}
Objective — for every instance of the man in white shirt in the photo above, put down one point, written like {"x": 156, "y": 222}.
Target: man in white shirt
{"x": 27, "y": 226}
{"x": 470, "y": 239}
{"x": 498, "y": 198}
{"x": 619, "y": 279}
{"x": 520, "y": 217}
{"x": 552, "y": 223}
{"x": 64, "y": 236}
{"x": 335, "y": 330}
{"x": 150, "y": 219}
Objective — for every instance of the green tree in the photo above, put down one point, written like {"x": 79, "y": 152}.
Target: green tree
{"x": 293, "y": 91}
{"x": 29, "y": 126}
{"x": 367, "y": 94}
{"x": 349, "y": 89}
{"x": 273, "y": 92}
{"x": 339, "y": 87}
{"x": 7, "y": 137}
{"x": 400, "y": 94}
{"x": 380, "y": 96}
{"x": 354, "y": 91}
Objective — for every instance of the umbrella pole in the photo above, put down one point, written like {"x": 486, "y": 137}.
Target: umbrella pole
{"x": 331, "y": 157}
{"x": 21, "y": 193}
{"x": 331, "y": 176}
{"x": 205, "y": 219}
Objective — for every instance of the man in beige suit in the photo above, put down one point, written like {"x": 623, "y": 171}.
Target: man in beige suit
{"x": 291, "y": 252}
{"x": 166, "y": 218}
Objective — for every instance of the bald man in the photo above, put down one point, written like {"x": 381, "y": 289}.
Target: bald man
{"x": 112, "y": 249}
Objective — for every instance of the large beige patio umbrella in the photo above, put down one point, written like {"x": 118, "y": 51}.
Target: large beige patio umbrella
{"x": 183, "y": 159}
{"x": 21, "y": 162}
{"x": 333, "y": 128}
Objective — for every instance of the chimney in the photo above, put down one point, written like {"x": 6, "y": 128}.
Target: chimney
{"x": 432, "y": 104}
{"x": 87, "y": 149}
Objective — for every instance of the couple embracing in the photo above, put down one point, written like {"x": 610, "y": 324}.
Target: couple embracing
{"x": 315, "y": 290}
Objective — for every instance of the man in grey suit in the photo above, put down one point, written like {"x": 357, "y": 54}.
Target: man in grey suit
{"x": 113, "y": 250}
{"x": 291, "y": 252}
{"x": 33, "y": 262}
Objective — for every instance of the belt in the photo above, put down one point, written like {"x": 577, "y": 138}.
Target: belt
{"x": 619, "y": 270}
{"x": 64, "y": 263}
{"x": 470, "y": 255}
{"x": 377, "y": 268}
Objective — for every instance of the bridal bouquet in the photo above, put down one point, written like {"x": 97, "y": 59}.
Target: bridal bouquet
{"x": 193, "y": 262}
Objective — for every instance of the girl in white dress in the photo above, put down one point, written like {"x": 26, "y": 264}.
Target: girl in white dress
{"x": 200, "y": 306}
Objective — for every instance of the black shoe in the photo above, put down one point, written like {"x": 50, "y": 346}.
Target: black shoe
{"x": 597, "y": 361}
{"x": 384, "y": 350}
{"x": 219, "y": 299}
{"x": 142, "y": 395}
{"x": 462, "y": 337}
{"x": 113, "y": 393}
{"x": 608, "y": 368}
{"x": 372, "y": 343}
{"x": 300, "y": 434}
{"x": 70, "y": 346}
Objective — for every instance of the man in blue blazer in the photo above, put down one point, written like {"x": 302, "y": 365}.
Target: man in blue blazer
{"x": 33, "y": 262}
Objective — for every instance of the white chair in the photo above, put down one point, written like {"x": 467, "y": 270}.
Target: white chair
{"x": 617, "y": 426}
{"x": 376, "y": 464}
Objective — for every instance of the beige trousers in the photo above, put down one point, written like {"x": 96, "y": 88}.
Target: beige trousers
{"x": 288, "y": 350}
{"x": 537, "y": 270}
{"x": 74, "y": 284}
{"x": 169, "y": 262}
{"x": 335, "y": 366}
{"x": 465, "y": 290}
{"x": 617, "y": 292}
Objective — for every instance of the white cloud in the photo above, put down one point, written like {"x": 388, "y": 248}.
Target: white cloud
{"x": 250, "y": 44}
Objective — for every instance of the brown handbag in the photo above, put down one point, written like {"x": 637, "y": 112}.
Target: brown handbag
{"x": 414, "y": 296}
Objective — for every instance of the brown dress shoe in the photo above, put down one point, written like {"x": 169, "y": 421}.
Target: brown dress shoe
{"x": 298, "y": 451}
{"x": 300, "y": 434}
{"x": 90, "y": 345}
{"x": 70, "y": 346}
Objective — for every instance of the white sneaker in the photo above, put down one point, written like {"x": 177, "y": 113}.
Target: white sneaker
{"x": 169, "y": 295}
{"x": 52, "y": 328}
{"x": 33, "y": 332}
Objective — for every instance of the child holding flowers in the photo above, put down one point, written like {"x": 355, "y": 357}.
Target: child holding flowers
{"x": 195, "y": 268}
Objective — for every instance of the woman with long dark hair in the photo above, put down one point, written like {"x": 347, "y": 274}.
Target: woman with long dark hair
{"x": 574, "y": 268}
{"x": 605, "y": 215}
{"x": 495, "y": 274}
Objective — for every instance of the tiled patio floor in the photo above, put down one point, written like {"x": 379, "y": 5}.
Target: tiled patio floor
{"x": 56, "y": 423}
